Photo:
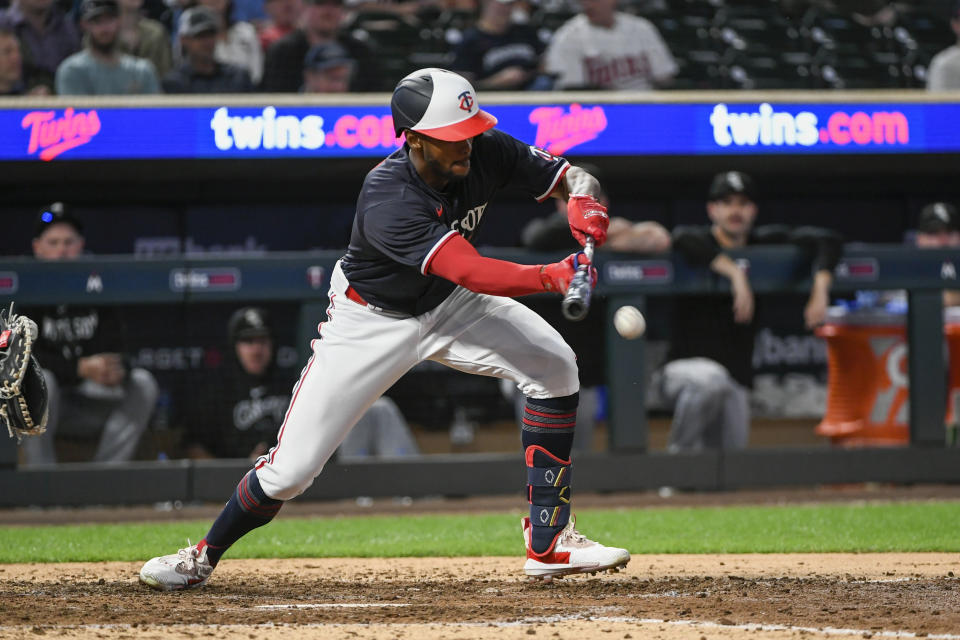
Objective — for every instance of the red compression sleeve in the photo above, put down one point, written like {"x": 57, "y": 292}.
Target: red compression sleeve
{"x": 457, "y": 261}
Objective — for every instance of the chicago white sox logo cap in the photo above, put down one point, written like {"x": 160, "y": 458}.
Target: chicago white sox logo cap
{"x": 439, "y": 104}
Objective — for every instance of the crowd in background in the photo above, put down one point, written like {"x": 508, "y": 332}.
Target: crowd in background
{"x": 94, "y": 47}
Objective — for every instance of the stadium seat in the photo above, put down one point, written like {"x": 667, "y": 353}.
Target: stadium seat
{"x": 841, "y": 34}
{"x": 923, "y": 29}
{"x": 855, "y": 72}
{"x": 699, "y": 69}
{"x": 762, "y": 71}
{"x": 686, "y": 33}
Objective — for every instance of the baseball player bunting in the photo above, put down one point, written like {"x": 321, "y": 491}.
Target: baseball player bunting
{"x": 411, "y": 287}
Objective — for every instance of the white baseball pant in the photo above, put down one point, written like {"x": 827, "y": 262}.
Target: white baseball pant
{"x": 362, "y": 352}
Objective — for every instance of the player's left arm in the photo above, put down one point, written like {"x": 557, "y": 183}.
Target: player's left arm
{"x": 587, "y": 217}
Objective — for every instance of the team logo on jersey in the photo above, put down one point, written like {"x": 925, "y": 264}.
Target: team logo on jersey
{"x": 466, "y": 101}
{"x": 466, "y": 225}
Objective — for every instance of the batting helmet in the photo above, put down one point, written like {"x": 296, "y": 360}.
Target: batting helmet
{"x": 439, "y": 104}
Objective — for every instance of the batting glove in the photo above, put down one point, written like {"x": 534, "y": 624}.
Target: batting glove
{"x": 557, "y": 276}
{"x": 587, "y": 217}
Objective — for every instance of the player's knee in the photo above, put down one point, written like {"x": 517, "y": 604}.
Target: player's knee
{"x": 560, "y": 375}
{"x": 144, "y": 385}
{"x": 286, "y": 483}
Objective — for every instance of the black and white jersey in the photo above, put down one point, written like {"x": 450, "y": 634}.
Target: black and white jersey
{"x": 401, "y": 222}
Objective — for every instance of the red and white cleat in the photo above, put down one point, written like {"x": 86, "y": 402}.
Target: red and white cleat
{"x": 571, "y": 552}
{"x": 185, "y": 569}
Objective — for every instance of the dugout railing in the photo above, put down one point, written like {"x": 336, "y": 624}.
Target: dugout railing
{"x": 627, "y": 465}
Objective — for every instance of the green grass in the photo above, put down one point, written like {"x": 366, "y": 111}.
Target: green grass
{"x": 915, "y": 526}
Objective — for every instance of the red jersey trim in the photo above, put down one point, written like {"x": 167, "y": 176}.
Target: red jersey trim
{"x": 553, "y": 185}
{"x": 425, "y": 267}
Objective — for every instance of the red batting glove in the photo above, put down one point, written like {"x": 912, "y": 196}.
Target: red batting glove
{"x": 587, "y": 217}
{"x": 557, "y": 276}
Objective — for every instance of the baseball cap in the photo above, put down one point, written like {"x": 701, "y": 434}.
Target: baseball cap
{"x": 249, "y": 322}
{"x": 729, "y": 183}
{"x": 937, "y": 217}
{"x": 196, "y": 21}
{"x": 90, "y": 9}
{"x": 54, "y": 213}
{"x": 325, "y": 56}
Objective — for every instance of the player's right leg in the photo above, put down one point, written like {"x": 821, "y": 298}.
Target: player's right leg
{"x": 359, "y": 355}
{"x": 503, "y": 338}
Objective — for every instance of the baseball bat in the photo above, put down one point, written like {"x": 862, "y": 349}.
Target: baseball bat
{"x": 576, "y": 302}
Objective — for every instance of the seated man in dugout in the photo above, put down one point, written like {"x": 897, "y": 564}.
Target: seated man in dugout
{"x": 93, "y": 392}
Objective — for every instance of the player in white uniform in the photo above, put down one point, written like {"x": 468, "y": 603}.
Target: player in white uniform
{"x": 411, "y": 287}
{"x": 603, "y": 48}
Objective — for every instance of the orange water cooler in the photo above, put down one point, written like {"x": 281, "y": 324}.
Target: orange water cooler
{"x": 868, "y": 393}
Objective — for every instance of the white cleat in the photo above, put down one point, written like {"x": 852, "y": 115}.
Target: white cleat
{"x": 185, "y": 569}
{"x": 572, "y": 552}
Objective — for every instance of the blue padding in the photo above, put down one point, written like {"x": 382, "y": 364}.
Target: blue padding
{"x": 544, "y": 516}
{"x": 549, "y": 476}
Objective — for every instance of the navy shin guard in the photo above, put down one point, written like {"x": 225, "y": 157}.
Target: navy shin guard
{"x": 248, "y": 508}
{"x": 547, "y": 434}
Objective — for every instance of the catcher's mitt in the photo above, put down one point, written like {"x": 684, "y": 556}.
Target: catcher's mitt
{"x": 23, "y": 392}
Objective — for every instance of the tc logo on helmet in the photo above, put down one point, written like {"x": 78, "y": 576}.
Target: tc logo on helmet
{"x": 466, "y": 101}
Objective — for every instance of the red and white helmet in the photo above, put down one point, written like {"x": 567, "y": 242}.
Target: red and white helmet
{"x": 439, "y": 104}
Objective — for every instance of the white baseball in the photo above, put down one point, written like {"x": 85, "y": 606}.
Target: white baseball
{"x": 629, "y": 322}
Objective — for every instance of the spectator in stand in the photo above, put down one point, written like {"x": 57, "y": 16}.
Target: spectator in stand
{"x": 282, "y": 20}
{"x": 709, "y": 369}
{"x": 327, "y": 69}
{"x": 200, "y": 72}
{"x": 46, "y": 36}
{"x": 498, "y": 53}
{"x": 11, "y": 63}
{"x": 143, "y": 37}
{"x": 237, "y": 41}
{"x": 320, "y": 23}
{"x": 943, "y": 74}
{"x": 602, "y": 48}
{"x": 101, "y": 69}
{"x": 93, "y": 394}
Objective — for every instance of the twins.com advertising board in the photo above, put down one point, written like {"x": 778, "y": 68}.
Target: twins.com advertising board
{"x": 155, "y": 132}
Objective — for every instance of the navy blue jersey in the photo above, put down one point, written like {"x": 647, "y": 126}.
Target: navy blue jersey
{"x": 401, "y": 221}
{"x": 484, "y": 54}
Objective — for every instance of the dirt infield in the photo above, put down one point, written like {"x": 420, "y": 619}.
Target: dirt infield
{"x": 658, "y": 597}
{"x": 662, "y": 596}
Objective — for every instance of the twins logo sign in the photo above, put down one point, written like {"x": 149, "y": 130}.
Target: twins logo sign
{"x": 466, "y": 101}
